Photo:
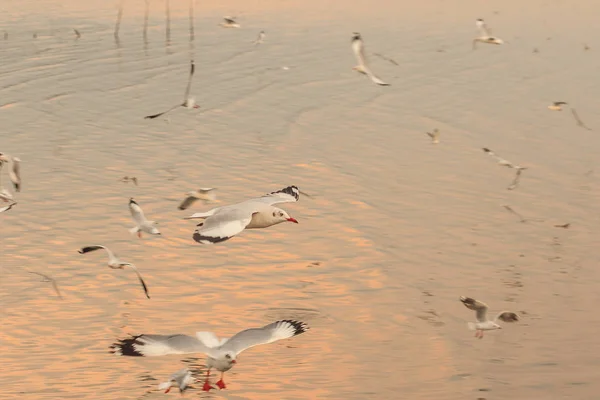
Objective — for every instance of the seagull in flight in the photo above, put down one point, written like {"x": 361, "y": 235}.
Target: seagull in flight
{"x": 260, "y": 39}
{"x": 222, "y": 353}
{"x": 435, "y": 136}
{"x": 358, "y": 48}
{"x": 484, "y": 324}
{"x": 188, "y": 102}
{"x": 115, "y": 263}
{"x": 229, "y": 22}
{"x": 142, "y": 224}
{"x": 206, "y": 194}
{"x": 486, "y": 35}
{"x": 556, "y": 106}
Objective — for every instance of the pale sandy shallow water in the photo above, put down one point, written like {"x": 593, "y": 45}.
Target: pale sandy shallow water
{"x": 398, "y": 228}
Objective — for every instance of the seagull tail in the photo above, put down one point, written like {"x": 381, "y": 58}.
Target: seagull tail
{"x": 471, "y": 326}
{"x": 134, "y": 230}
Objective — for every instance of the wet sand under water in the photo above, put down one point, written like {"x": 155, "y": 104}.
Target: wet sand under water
{"x": 397, "y": 230}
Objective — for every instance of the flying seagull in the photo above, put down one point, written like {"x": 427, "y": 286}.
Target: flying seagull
{"x": 556, "y": 106}
{"x": 358, "y": 48}
{"x": 484, "y": 324}
{"x": 260, "y": 39}
{"x": 188, "y": 102}
{"x": 8, "y": 207}
{"x": 181, "y": 379}
{"x": 506, "y": 163}
{"x": 115, "y": 263}
{"x": 127, "y": 179}
{"x": 49, "y": 279}
{"x": 486, "y": 35}
{"x": 229, "y": 22}
{"x": 142, "y": 224}
{"x": 206, "y": 194}
{"x": 222, "y": 223}
{"x": 435, "y": 136}
{"x": 222, "y": 353}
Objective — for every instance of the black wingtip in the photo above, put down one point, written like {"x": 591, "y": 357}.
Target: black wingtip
{"x": 291, "y": 190}
{"x": 132, "y": 201}
{"x": 125, "y": 347}
{"x": 299, "y": 326}
{"x": 486, "y": 149}
{"x": 207, "y": 239}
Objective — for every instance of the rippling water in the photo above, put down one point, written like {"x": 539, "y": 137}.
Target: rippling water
{"x": 397, "y": 230}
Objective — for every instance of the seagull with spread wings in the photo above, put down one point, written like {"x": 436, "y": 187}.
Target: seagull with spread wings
{"x": 483, "y": 323}
{"x": 222, "y": 353}
{"x": 486, "y": 34}
{"x": 358, "y": 47}
{"x": 142, "y": 224}
{"x": 188, "y": 102}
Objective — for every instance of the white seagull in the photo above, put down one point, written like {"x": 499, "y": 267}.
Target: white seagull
{"x": 181, "y": 379}
{"x": 142, "y": 224}
{"x": 358, "y": 48}
{"x": 188, "y": 102}
{"x": 115, "y": 263}
{"x": 222, "y": 353}
{"x": 229, "y": 22}
{"x": 205, "y": 194}
{"x": 484, "y": 324}
{"x": 556, "y": 106}
{"x": 15, "y": 172}
{"x": 260, "y": 39}
{"x": 222, "y": 223}
{"x": 486, "y": 35}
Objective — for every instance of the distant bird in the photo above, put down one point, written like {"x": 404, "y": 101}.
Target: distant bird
{"x": 229, "y": 22}
{"x": 486, "y": 35}
{"x": 206, "y": 194}
{"x": 126, "y": 179}
{"x": 142, "y": 224}
{"x": 578, "y": 120}
{"x": 564, "y": 226}
{"x": 115, "y": 263}
{"x": 77, "y": 33}
{"x": 49, "y": 279}
{"x": 484, "y": 324}
{"x": 501, "y": 161}
{"x": 517, "y": 179}
{"x": 556, "y": 106}
{"x": 260, "y": 39}
{"x": 435, "y": 136}
{"x": 222, "y": 223}
{"x": 181, "y": 379}
{"x": 358, "y": 48}
{"x": 188, "y": 102}
{"x": 222, "y": 353}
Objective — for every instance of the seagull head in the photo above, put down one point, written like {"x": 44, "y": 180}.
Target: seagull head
{"x": 279, "y": 215}
{"x": 356, "y": 36}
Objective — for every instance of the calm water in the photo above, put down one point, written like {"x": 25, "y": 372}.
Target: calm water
{"x": 397, "y": 230}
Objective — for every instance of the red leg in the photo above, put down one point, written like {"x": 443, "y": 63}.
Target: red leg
{"x": 207, "y": 386}
{"x": 168, "y": 390}
{"x": 221, "y": 384}
{"x": 140, "y": 234}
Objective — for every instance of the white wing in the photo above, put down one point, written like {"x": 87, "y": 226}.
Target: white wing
{"x": 359, "y": 52}
{"x": 3, "y": 209}
{"x": 188, "y": 201}
{"x": 15, "y": 173}
{"x": 225, "y": 223}
{"x": 483, "y": 28}
{"x": 270, "y": 333}
{"x": 137, "y": 213}
{"x": 204, "y": 214}
{"x": 158, "y": 345}
{"x": 479, "y": 307}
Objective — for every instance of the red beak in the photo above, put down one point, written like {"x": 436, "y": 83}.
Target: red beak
{"x": 196, "y": 106}
{"x": 292, "y": 220}
{"x": 233, "y": 361}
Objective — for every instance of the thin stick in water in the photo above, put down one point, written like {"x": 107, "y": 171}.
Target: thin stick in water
{"x": 168, "y": 18}
{"x": 146, "y": 13}
{"x": 192, "y": 20}
{"x": 119, "y": 16}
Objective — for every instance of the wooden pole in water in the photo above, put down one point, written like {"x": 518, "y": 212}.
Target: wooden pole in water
{"x": 168, "y": 16}
{"x": 146, "y": 13}
{"x": 191, "y": 19}
{"x": 119, "y": 16}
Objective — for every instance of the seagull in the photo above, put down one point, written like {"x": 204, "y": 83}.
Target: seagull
{"x": 206, "y": 194}
{"x": 556, "y": 106}
{"x": 142, "y": 224}
{"x": 486, "y": 35}
{"x": 115, "y": 263}
{"x": 222, "y": 223}
{"x": 49, "y": 279}
{"x": 435, "y": 136}
{"x": 77, "y": 34}
{"x": 181, "y": 379}
{"x": 484, "y": 324}
{"x": 15, "y": 173}
{"x": 260, "y": 39}
{"x": 222, "y": 353}
{"x": 127, "y": 179}
{"x": 501, "y": 160}
{"x": 229, "y": 22}
{"x": 358, "y": 48}
{"x": 188, "y": 102}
